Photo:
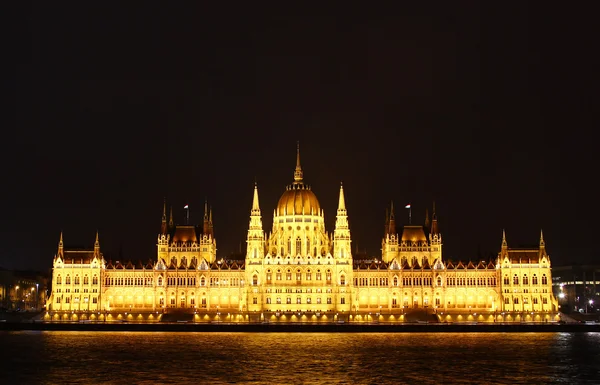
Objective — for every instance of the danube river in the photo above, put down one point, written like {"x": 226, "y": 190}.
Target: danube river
{"x": 56, "y": 357}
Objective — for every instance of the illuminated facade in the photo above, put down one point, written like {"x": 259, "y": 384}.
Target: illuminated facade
{"x": 299, "y": 272}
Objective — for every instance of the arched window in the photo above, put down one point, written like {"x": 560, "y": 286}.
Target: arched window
{"x": 328, "y": 276}
{"x": 534, "y": 279}
{"x": 269, "y": 276}
{"x": 202, "y": 281}
{"x": 58, "y": 279}
{"x": 403, "y": 261}
{"x": 68, "y": 280}
{"x": 255, "y": 280}
{"x": 544, "y": 279}
{"x": 342, "y": 280}
{"x": 86, "y": 280}
{"x": 318, "y": 277}
{"x": 173, "y": 261}
{"x": 194, "y": 261}
{"x": 278, "y": 275}
{"x": 160, "y": 281}
{"x": 95, "y": 280}
{"x": 76, "y": 280}
{"x": 525, "y": 280}
{"x": 515, "y": 280}
{"x": 184, "y": 261}
{"x": 414, "y": 261}
{"x": 439, "y": 281}
{"x": 506, "y": 280}
{"x": 289, "y": 245}
{"x": 308, "y": 275}
{"x": 255, "y": 252}
{"x": 298, "y": 245}
{"x": 308, "y": 246}
{"x": 288, "y": 275}
{"x": 298, "y": 275}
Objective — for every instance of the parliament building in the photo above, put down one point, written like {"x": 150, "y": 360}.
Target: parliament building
{"x": 300, "y": 272}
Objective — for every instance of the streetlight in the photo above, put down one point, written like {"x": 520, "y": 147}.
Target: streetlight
{"x": 37, "y": 296}
{"x": 17, "y": 294}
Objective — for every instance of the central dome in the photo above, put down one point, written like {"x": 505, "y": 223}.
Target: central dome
{"x": 298, "y": 199}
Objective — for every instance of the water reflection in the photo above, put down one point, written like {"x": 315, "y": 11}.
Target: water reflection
{"x": 299, "y": 358}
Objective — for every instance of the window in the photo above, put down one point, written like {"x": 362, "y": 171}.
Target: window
{"x": 516, "y": 301}
{"x": 534, "y": 280}
{"x": 439, "y": 281}
{"x": 202, "y": 281}
{"x": 160, "y": 281}
{"x": 95, "y": 300}
{"x": 506, "y": 280}
{"x": 298, "y": 300}
{"x": 342, "y": 300}
{"x": 308, "y": 275}
{"x": 269, "y": 277}
{"x": 328, "y": 276}
{"x": 254, "y": 300}
{"x": 544, "y": 279}
{"x": 545, "y": 301}
{"x": 58, "y": 279}
{"x": 268, "y": 300}
{"x": 515, "y": 280}
{"x": 329, "y": 300}
{"x": 298, "y": 276}
{"x": 298, "y": 246}
{"x": 95, "y": 280}
{"x": 318, "y": 277}
{"x": 278, "y": 300}
{"x": 525, "y": 280}
{"x": 68, "y": 280}
{"x": 86, "y": 280}
{"x": 395, "y": 281}
{"x": 278, "y": 275}
{"x": 506, "y": 301}
{"x": 343, "y": 280}
{"x": 288, "y": 275}
{"x": 255, "y": 280}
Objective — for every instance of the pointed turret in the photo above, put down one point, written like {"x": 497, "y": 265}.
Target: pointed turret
{"x": 211, "y": 230}
{"x": 255, "y": 206}
{"x": 298, "y": 171}
{"x": 342, "y": 201}
{"x": 97, "y": 245}
{"x": 434, "y": 222}
{"x": 256, "y": 237}
{"x": 60, "y": 252}
{"x": 542, "y": 243}
{"x": 205, "y": 224}
{"x": 504, "y": 244}
{"x": 387, "y": 223}
{"x": 427, "y": 224}
{"x": 163, "y": 223}
{"x": 341, "y": 234}
{"x": 392, "y": 229}
{"x": 171, "y": 223}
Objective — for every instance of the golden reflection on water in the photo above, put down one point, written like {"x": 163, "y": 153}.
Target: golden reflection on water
{"x": 299, "y": 358}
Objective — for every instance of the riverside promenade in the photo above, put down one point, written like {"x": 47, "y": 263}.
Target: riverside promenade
{"x": 303, "y": 327}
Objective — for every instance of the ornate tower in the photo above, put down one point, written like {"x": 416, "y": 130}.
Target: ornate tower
{"x": 256, "y": 238}
{"x": 389, "y": 247}
{"x": 208, "y": 244}
{"x": 341, "y": 234}
{"x": 435, "y": 238}
{"x": 164, "y": 236}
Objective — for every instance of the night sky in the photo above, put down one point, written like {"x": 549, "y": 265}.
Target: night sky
{"x": 485, "y": 110}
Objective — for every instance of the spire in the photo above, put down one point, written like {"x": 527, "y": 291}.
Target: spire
{"x": 427, "y": 218}
{"x": 434, "y": 222}
{"x": 255, "y": 205}
{"x": 298, "y": 171}
{"x": 206, "y": 224}
{"x": 97, "y": 246}
{"x": 392, "y": 229}
{"x": 60, "y": 246}
{"x": 387, "y": 222}
{"x": 342, "y": 201}
{"x": 163, "y": 222}
{"x": 504, "y": 244}
{"x": 171, "y": 223}
{"x": 210, "y": 216}
{"x": 205, "y": 209}
{"x": 542, "y": 243}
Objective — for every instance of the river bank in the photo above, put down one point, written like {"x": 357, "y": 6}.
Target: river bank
{"x": 300, "y": 327}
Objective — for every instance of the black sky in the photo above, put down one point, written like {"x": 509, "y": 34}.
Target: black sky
{"x": 488, "y": 111}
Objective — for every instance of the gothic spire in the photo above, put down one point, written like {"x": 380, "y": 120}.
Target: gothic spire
{"x": 392, "y": 229}
{"x": 504, "y": 244}
{"x": 255, "y": 205}
{"x": 298, "y": 171}
{"x": 342, "y": 201}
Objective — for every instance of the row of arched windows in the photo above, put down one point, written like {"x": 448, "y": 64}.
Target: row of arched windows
{"x": 77, "y": 280}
